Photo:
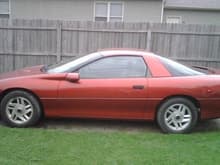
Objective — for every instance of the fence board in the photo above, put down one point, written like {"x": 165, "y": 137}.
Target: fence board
{"x": 33, "y": 42}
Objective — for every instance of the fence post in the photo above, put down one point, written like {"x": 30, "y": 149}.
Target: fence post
{"x": 149, "y": 40}
{"x": 59, "y": 41}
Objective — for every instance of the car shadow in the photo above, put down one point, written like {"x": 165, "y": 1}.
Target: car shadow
{"x": 99, "y": 125}
{"x": 208, "y": 126}
{"x": 119, "y": 125}
{"x": 68, "y": 124}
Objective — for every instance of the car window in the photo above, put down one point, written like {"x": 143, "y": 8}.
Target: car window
{"x": 70, "y": 65}
{"x": 177, "y": 69}
{"x": 115, "y": 67}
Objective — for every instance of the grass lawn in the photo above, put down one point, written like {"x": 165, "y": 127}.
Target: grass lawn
{"x": 41, "y": 146}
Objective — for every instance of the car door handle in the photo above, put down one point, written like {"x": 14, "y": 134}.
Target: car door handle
{"x": 138, "y": 86}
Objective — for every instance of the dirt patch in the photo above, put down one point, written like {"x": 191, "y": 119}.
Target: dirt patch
{"x": 208, "y": 126}
{"x": 117, "y": 125}
{"x": 99, "y": 125}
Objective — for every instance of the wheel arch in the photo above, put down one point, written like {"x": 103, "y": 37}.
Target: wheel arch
{"x": 5, "y": 92}
{"x": 190, "y": 98}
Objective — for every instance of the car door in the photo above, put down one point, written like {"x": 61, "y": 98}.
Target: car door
{"x": 111, "y": 87}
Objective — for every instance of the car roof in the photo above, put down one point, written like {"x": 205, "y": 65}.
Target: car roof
{"x": 136, "y": 52}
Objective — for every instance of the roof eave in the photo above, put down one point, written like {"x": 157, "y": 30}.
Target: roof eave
{"x": 191, "y": 8}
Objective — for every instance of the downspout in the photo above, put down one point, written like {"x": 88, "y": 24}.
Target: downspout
{"x": 162, "y": 11}
{"x": 9, "y": 11}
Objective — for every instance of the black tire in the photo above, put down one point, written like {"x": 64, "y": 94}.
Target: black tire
{"x": 177, "y": 115}
{"x": 20, "y": 104}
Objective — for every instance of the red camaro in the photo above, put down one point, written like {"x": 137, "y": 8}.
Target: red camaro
{"x": 111, "y": 84}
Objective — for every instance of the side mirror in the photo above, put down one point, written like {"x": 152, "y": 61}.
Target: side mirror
{"x": 72, "y": 77}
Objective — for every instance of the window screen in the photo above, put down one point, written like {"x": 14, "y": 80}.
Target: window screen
{"x": 4, "y": 6}
{"x": 109, "y": 11}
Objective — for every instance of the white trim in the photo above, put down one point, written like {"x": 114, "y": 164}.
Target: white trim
{"x": 174, "y": 16}
{"x": 108, "y": 10}
{"x": 9, "y": 9}
{"x": 162, "y": 11}
{"x": 191, "y": 8}
{"x": 94, "y": 7}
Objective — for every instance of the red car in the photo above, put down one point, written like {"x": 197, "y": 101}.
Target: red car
{"x": 111, "y": 84}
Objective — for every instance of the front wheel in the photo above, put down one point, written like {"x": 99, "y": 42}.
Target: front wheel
{"x": 177, "y": 115}
{"x": 20, "y": 109}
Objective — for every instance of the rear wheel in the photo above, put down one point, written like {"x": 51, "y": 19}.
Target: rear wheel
{"x": 20, "y": 109}
{"x": 177, "y": 115}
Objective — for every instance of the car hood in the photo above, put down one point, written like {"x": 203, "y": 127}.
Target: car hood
{"x": 22, "y": 72}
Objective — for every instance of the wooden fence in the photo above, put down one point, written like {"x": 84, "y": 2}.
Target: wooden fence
{"x": 32, "y": 42}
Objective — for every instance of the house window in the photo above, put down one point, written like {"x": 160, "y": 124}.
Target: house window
{"x": 4, "y": 8}
{"x": 108, "y": 11}
{"x": 174, "y": 19}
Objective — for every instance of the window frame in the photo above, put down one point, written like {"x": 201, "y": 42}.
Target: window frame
{"x": 108, "y": 17}
{"x": 174, "y": 16}
{"x": 9, "y": 9}
{"x": 147, "y": 70}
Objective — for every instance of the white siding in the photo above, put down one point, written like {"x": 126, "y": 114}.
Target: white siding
{"x": 195, "y": 17}
{"x": 83, "y": 10}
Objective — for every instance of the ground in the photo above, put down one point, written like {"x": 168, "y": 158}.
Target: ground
{"x": 117, "y": 125}
{"x": 74, "y": 141}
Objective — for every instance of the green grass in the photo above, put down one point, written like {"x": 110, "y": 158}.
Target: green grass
{"x": 39, "y": 146}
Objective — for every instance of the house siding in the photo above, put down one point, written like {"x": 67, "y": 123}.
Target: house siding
{"x": 52, "y": 9}
{"x": 83, "y": 10}
{"x": 194, "y": 16}
{"x": 143, "y": 11}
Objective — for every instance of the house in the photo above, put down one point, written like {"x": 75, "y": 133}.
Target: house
{"x": 84, "y": 10}
{"x": 192, "y": 11}
{"x": 166, "y": 11}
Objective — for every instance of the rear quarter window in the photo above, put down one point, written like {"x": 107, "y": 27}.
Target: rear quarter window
{"x": 177, "y": 69}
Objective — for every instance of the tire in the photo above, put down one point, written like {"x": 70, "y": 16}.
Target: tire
{"x": 20, "y": 109}
{"x": 177, "y": 115}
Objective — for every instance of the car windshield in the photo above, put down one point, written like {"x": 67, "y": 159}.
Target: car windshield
{"x": 69, "y": 66}
{"x": 177, "y": 69}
